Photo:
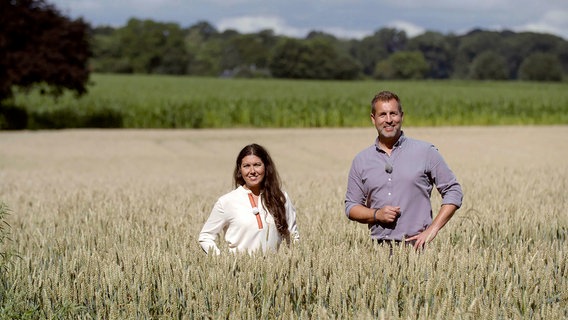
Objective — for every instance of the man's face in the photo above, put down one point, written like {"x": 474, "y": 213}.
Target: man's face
{"x": 387, "y": 119}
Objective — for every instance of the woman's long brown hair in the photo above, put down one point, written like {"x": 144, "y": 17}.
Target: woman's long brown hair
{"x": 273, "y": 198}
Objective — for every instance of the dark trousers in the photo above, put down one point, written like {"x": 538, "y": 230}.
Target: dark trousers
{"x": 392, "y": 243}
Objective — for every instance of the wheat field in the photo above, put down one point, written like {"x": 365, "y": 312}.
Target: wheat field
{"x": 105, "y": 224}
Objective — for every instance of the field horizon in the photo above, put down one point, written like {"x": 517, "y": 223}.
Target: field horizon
{"x": 152, "y": 101}
{"x": 105, "y": 223}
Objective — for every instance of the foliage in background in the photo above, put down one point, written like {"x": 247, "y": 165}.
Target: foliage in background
{"x": 137, "y": 101}
{"x": 489, "y": 65}
{"x": 41, "y": 47}
{"x": 537, "y": 67}
{"x": 402, "y": 65}
{"x": 315, "y": 58}
{"x": 148, "y": 47}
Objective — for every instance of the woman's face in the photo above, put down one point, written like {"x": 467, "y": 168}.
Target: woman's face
{"x": 252, "y": 171}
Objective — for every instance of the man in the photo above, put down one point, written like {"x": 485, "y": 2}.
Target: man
{"x": 390, "y": 182}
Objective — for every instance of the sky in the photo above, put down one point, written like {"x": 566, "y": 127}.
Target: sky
{"x": 349, "y": 19}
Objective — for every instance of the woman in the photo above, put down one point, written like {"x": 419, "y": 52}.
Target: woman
{"x": 257, "y": 214}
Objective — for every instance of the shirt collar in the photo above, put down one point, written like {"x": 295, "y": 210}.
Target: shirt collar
{"x": 397, "y": 144}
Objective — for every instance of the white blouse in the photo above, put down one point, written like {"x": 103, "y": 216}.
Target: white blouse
{"x": 233, "y": 214}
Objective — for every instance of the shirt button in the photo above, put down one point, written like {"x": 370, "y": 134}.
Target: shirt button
{"x": 389, "y": 193}
{"x": 390, "y": 179}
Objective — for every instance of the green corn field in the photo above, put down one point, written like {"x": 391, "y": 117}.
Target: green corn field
{"x": 137, "y": 101}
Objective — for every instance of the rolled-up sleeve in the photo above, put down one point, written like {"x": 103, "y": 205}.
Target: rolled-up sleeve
{"x": 355, "y": 194}
{"x": 213, "y": 226}
{"x": 445, "y": 180}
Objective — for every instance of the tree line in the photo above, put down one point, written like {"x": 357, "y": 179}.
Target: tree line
{"x": 151, "y": 47}
{"x": 41, "y": 46}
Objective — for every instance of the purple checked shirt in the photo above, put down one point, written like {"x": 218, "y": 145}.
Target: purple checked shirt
{"x": 404, "y": 179}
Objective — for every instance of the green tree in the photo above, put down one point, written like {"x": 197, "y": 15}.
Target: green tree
{"x": 541, "y": 66}
{"x": 291, "y": 59}
{"x": 107, "y": 52}
{"x": 204, "y": 47}
{"x": 402, "y": 65}
{"x": 563, "y": 56}
{"x": 346, "y": 66}
{"x": 438, "y": 50}
{"x": 40, "y": 46}
{"x": 378, "y": 47}
{"x": 488, "y": 65}
{"x": 152, "y": 47}
{"x": 248, "y": 53}
{"x": 519, "y": 46}
{"x": 202, "y": 50}
{"x": 471, "y": 45}
{"x": 316, "y": 58}
{"x": 204, "y": 30}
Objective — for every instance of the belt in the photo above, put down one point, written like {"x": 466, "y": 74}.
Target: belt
{"x": 389, "y": 241}
{"x": 393, "y": 241}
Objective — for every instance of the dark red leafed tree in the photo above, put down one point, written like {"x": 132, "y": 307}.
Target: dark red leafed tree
{"x": 40, "y": 46}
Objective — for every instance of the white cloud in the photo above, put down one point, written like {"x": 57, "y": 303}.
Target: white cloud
{"x": 460, "y": 6}
{"x": 554, "y": 22}
{"x": 411, "y": 29}
{"x": 353, "y": 19}
{"x": 346, "y": 33}
{"x": 251, "y": 24}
